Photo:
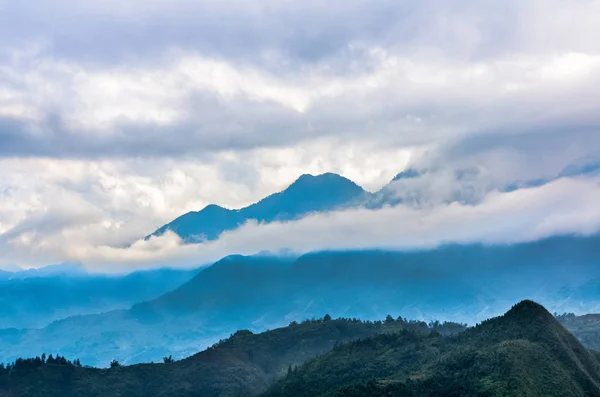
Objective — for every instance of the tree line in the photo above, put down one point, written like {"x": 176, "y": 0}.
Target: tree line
{"x": 39, "y": 361}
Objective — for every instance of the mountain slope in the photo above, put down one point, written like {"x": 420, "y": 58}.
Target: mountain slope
{"x": 61, "y": 269}
{"x": 244, "y": 364}
{"x": 586, "y": 328}
{"x": 307, "y": 194}
{"x": 29, "y": 299}
{"x": 524, "y": 352}
{"x": 459, "y": 283}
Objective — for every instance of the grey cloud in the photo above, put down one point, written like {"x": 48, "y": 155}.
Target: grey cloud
{"x": 107, "y": 34}
{"x": 506, "y": 87}
{"x": 303, "y": 31}
{"x": 306, "y": 41}
{"x": 534, "y": 153}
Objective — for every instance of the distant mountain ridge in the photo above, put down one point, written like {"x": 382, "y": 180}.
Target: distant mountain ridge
{"x": 34, "y": 298}
{"x": 458, "y": 283}
{"x": 61, "y": 269}
{"x": 308, "y": 194}
{"x": 328, "y": 192}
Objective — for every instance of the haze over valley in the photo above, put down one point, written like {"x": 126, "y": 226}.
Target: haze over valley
{"x": 300, "y": 198}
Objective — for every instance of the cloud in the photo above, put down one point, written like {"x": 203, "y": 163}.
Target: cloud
{"x": 205, "y": 105}
{"x": 130, "y": 114}
{"x": 565, "y": 206}
{"x": 303, "y": 31}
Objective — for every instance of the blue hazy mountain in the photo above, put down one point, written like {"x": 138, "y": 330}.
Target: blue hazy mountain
{"x": 61, "y": 269}
{"x": 459, "y": 283}
{"x": 328, "y": 192}
{"x": 584, "y": 167}
{"x": 35, "y": 298}
{"x": 306, "y": 195}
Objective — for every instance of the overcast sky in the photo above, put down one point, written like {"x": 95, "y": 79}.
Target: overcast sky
{"x": 118, "y": 116}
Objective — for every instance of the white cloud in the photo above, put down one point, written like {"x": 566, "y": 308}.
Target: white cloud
{"x": 565, "y": 206}
{"x": 130, "y": 114}
{"x": 189, "y": 104}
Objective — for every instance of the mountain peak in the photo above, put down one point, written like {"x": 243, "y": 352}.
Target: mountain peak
{"x": 529, "y": 313}
{"x": 308, "y": 194}
{"x": 327, "y": 184}
{"x": 214, "y": 208}
{"x": 525, "y": 320}
{"x": 328, "y": 177}
{"x": 528, "y": 309}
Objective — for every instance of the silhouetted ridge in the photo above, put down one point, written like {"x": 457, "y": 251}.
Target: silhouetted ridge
{"x": 525, "y": 320}
{"x": 529, "y": 310}
{"x": 308, "y": 194}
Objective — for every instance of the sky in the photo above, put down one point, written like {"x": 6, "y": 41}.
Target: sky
{"x": 118, "y": 116}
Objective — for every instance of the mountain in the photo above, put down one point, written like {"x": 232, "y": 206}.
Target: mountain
{"x": 62, "y": 269}
{"x": 257, "y": 293}
{"x": 458, "y": 283}
{"x": 585, "y": 167}
{"x": 306, "y": 195}
{"x": 329, "y": 191}
{"x": 588, "y": 166}
{"x": 586, "y": 328}
{"x": 35, "y": 298}
{"x": 243, "y": 364}
{"x": 524, "y": 352}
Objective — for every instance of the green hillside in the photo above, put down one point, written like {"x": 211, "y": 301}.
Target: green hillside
{"x": 244, "y": 364}
{"x": 526, "y": 352}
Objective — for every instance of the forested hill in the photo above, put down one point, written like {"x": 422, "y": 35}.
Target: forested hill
{"x": 244, "y": 364}
{"x": 525, "y": 352}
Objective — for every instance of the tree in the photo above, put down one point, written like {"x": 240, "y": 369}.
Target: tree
{"x": 168, "y": 360}
{"x": 114, "y": 364}
{"x": 43, "y": 358}
{"x": 389, "y": 319}
{"x": 327, "y": 317}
